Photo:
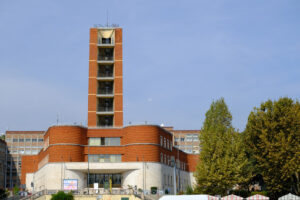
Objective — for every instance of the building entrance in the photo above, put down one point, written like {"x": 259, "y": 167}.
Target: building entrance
{"x": 103, "y": 180}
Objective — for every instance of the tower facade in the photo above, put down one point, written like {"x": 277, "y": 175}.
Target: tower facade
{"x": 105, "y": 95}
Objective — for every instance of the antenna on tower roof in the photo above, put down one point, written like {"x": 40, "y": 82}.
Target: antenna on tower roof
{"x": 106, "y": 18}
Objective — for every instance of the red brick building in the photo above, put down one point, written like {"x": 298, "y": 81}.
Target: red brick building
{"x": 136, "y": 155}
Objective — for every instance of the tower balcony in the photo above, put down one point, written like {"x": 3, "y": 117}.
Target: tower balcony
{"x": 106, "y": 54}
{"x": 105, "y": 106}
{"x": 105, "y": 120}
{"x": 106, "y": 42}
{"x": 105, "y": 72}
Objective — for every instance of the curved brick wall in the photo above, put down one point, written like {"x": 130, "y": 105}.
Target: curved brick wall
{"x": 67, "y": 134}
{"x": 135, "y": 153}
{"x": 141, "y": 134}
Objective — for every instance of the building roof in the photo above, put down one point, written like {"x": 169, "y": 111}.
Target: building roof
{"x": 25, "y": 132}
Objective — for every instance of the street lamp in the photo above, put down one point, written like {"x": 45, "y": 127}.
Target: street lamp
{"x": 173, "y": 164}
{"x": 88, "y": 178}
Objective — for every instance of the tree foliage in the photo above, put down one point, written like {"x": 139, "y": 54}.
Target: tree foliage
{"x": 16, "y": 190}
{"x": 61, "y": 195}
{"x": 272, "y": 136}
{"x": 223, "y": 163}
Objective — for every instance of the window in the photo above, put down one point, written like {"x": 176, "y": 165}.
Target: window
{"x": 105, "y": 141}
{"x": 15, "y": 140}
{"x": 112, "y": 142}
{"x": 106, "y": 40}
{"x": 182, "y": 139}
{"x": 14, "y": 151}
{"x": 161, "y": 157}
{"x": 41, "y": 140}
{"x": 8, "y": 139}
{"x": 165, "y": 142}
{"x": 161, "y": 140}
{"x": 103, "y": 179}
{"x": 27, "y": 140}
{"x": 34, "y": 140}
{"x": 165, "y": 159}
{"x": 27, "y": 151}
{"x": 105, "y": 158}
{"x": 21, "y": 140}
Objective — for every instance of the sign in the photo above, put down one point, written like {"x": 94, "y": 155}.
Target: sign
{"x": 70, "y": 184}
{"x": 96, "y": 186}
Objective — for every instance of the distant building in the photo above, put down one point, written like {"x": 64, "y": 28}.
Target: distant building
{"x": 186, "y": 140}
{"x": 2, "y": 163}
{"x": 20, "y": 143}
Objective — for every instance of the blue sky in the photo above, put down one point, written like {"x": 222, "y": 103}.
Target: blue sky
{"x": 179, "y": 56}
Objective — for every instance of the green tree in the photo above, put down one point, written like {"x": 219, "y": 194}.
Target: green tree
{"x": 222, "y": 164}
{"x": 272, "y": 136}
{"x": 2, "y": 137}
{"x": 61, "y": 195}
{"x": 16, "y": 190}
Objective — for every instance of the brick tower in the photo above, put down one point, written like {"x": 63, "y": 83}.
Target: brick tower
{"x": 105, "y": 100}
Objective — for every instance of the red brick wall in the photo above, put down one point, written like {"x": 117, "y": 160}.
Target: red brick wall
{"x": 192, "y": 160}
{"x": 93, "y": 67}
{"x": 29, "y": 165}
{"x": 67, "y": 134}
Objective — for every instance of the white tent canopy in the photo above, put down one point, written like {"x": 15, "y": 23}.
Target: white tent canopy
{"x": 232, "y": 197}
{"x": 289, "y": 197}
{"x": 189, "y": 197}
{"x": 258, "y": 197}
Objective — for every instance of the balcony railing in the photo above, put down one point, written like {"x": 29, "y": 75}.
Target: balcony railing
{"x": 105, "y": 91}
{"x": 105, "y": 109}
{"x": 105, "y": 58}
{"x": 105, "y": 74}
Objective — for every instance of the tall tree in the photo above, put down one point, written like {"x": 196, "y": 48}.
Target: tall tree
{"x": 272, "y": 136}
{"x": 222, "y": 164}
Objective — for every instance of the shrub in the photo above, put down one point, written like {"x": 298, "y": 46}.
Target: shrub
{"x": 16, "y": 190}
{"x": 189, "y": 190}
{"x": 265, "y": 193}
{"x": 61, "y": 195}
{"x": 241, "y": 193}
{"x": 153, "y": 190}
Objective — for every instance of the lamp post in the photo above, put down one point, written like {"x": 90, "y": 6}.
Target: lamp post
{"x": 88, "y": 178}
{"x": 173, "y": 164}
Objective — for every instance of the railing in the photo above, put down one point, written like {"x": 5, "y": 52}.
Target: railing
{"x": 105, "y": 109}
{"x": 105, "y": 58}
{"x": 85, "y": 191}
{"x": 105, "y": 91}
{"x": 105, "y": 74}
